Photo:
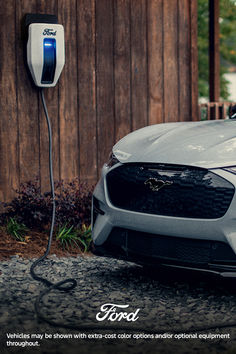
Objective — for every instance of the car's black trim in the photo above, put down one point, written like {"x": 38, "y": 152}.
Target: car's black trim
{"x": 152, "y": 249}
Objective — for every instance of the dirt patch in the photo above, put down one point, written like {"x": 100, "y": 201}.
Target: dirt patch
{"x": 34, "y": 246}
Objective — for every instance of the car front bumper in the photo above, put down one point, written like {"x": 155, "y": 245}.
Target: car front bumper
{"x": 205, "y": 244}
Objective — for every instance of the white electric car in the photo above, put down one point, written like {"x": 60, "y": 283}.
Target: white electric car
{"x": 167, "y": 197}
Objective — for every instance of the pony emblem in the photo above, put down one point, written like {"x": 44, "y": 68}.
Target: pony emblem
{"x": 156, "y": 184}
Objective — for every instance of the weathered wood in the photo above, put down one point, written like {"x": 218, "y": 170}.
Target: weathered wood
{"x": 122, "y": 68}
{"x": 208, "y": 112}
{"x": 68, "y": 99}
{"x": 224, "y": 111}
{"x": 214, "y": 111}
{"x": 221, "y": 112}
{"x": 27, "y": 104}
{"x": 51, "y": 97}
{"x": 129, "y": 63}
{"x": 105, "y": 79}
{"x": 194, "y": 61}
{"x": 9, "y": 177}
{"x": 87, "y": 89}
{"x": 139, "y": 64}
{"x": 170, "y": 59}
{"x": 184, "y": 56}
{"x": 155, "y": 61}
{"x": 214, "y": 50}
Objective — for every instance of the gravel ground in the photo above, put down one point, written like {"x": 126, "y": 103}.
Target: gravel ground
{"x": 167, "y": 301}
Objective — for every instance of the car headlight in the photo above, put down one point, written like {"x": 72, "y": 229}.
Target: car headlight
{"x": 231, "y": 169}
{"x": 113, "y": 160}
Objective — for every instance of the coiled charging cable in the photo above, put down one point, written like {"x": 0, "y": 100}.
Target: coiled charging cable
{"x": 60, "y": 284}
{"x": 70, "y": 283}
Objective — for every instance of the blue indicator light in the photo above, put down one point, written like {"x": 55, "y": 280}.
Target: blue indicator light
{"x": 49, "y": 60}
{"x": 49, "y": 42}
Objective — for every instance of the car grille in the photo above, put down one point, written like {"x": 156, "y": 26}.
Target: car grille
{"x": 183, "y": 250}
{"x": 180, "y": 191}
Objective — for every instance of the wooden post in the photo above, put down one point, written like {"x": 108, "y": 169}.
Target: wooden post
{"x": 194, "y": 60}
{"x": 214, "y": 51}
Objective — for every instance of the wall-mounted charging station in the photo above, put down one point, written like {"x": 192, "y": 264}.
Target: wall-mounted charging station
{"x": 45, "y": 48}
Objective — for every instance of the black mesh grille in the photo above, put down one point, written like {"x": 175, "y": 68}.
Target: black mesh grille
{"x": 184, "y": 250}
{"x": 180, "y": 191}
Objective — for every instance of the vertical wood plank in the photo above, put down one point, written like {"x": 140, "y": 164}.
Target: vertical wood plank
{"x": 171, "y": 84}
{"x": 9, "y": 178}
{"x": 214, "y": 111}
{"x": 194, "y": 61}
{"x": 87, "y": 89}
{"x": 224, "y": 111}
{"x": 217, "y": 110}
{"x": 155, "y": 61}
{"x": 27, "y": 104}
{"x": 105, "y": 84}
{"x": 214, "y": 50}
{"x": 184, "y": 60}
{"x": 139, "y": 64}
{"x": 208, "y": 111}
{"x": 51, "y": 97}
{"x": 122, "y": 68}
{"x": 68, "y": 104}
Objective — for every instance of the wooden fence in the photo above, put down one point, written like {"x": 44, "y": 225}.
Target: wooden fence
{"x": 214, "y": 110}
{"x": 129, "y": 63}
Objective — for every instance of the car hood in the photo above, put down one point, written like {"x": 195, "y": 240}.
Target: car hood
{"x": 208, "y": 144}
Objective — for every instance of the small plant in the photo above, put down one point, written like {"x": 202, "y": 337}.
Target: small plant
{"x": 74, "y": 202}
{"x": 67, "y": 236}
{"x": 33, "y": 208}
{"x": 70, "y": 237}
{"x": 85, "y": 236}
{"x": 203, "y": 113}
{"x": 30, "y": 207}
{"x": 16, "y": 229}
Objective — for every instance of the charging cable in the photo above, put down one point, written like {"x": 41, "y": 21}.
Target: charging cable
{"x": 60, "y": 284}
{"x": 70, "y": 283}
